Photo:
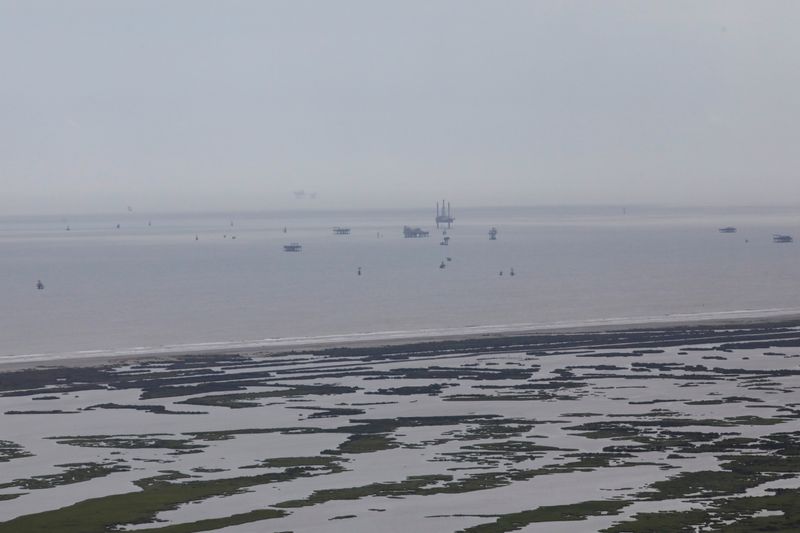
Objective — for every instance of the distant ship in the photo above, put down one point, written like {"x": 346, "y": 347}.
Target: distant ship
{"x": 292, "y": 247}
{"x": 39, "y": 285}
{"x": 341, "y": 231}
{"x": 782, "y": 238}
{"x": 727, "y": 229}
{"x": 493, "y": 234}
{"x": 414, "y": 233}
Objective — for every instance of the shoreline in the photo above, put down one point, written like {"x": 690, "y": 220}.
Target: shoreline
{"x": 444, "y": 340}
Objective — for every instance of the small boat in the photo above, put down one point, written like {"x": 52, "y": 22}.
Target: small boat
{"x": 359, "y": 271}
{"x": 445, "y": 241}
{"x": 511, "y": 272}
{"x": 442, "y": 265}
{"x": 292, "y": 247}
{"x": 39, "y": 285}
{"x": 782, "y": 238}
{"x": 341, "y": 231}
{"x": 727, "y": 229}
{"x": 493, "y": 234}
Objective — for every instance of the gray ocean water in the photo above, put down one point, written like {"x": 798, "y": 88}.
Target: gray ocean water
{"x": 179, "y": 281}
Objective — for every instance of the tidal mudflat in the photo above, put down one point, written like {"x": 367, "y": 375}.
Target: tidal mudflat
{"x": 633, "y": 430}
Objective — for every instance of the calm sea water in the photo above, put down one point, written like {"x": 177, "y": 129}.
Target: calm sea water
{"x": 183, "y": 280}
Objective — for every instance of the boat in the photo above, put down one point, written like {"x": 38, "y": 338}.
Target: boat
{"x": 727, "y": 229}
{"x": 341, "y": 231}
{"x": 442, "y": 265}
{"x": 292, "y": 247}
{"x": 445, "y": 241}
{"x": 493, "y": 234}
{"x": 777, "y": 237}
{"x": 414, "y": 233}
{"x": 39, "y": 285}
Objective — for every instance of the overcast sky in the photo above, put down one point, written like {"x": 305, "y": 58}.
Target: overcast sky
{"x": 200, "y": 105}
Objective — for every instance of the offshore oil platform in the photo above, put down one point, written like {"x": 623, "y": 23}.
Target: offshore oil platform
{"x": 444, "y": 217}
{"x": 414, "y": 233}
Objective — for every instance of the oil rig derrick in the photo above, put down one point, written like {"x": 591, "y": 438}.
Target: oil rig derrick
{"x": 442, "y": 216}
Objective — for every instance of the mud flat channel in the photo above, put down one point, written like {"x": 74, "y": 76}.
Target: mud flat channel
{"x": 680, "y": 428}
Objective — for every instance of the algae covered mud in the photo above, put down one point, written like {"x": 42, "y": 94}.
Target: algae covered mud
{"x": 660, "y": 429}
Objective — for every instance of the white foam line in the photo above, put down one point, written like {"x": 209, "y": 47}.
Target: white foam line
{"x": 431, "y": 333}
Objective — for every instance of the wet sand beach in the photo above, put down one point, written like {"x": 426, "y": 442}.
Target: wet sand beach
{"x": 731, "y": 320}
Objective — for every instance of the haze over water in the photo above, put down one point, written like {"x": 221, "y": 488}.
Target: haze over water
{"x": 185, "y": 281}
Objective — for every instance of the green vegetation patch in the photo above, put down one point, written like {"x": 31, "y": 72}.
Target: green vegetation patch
{"x": 329, "y": 412}
{"x": 333, "y": 463}
{"x": 11, "y": 450}
{"x": 368, "y": 443}
{"x": 249, "y": 399}
{"x": 409, "y": 486}
{"x": 758, "y": 464}
{"x": 514, "y": 446}
{"x": 673, "y": 521}
{"x": 433, "y": 389}
{"x": 213, "y": 524}
{"x": 705, "y": 484}
{"x": 158, "y": 494}
{"x": 131, "y": 442}
{"x": 73, "y": 473}
{"x": 153, "y": 408}
{"x": 228, "y": 434}
{"x": 495, "y": 453}
{"x": 728, "y": 515}
{"x": 550, "y": 513}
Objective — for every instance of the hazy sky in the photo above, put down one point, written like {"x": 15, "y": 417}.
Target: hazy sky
{"x": 200, "y": 105}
